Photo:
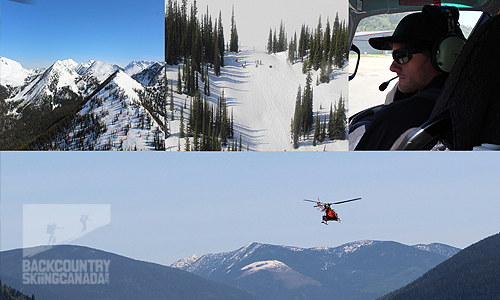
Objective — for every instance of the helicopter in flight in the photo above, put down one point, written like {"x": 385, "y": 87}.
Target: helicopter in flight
{"x": 330, "y": 214}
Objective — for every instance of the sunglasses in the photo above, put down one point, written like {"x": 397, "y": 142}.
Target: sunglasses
{"x": 403, "y": 56}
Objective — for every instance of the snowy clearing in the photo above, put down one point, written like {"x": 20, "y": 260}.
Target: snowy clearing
{"x": 261, "y": 90}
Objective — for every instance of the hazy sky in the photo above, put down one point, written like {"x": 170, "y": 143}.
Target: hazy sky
{"x": 117, "y": 32}
{"x": 255, "y": 18}
{"x": 167, "y": 206}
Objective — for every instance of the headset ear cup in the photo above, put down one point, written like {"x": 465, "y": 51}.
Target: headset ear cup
{"x": 446, "y": 51}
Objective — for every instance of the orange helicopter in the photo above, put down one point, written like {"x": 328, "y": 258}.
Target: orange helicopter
{"x": 330, "y": 214}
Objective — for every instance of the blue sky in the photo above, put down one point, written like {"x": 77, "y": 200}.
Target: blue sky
{"x": 117, "y": 32}
{"x": 167, "y": 206}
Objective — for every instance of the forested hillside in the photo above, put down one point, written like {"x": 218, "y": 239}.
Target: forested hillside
{"x": 199, "y": 45}
{"x": 8, "y": 293}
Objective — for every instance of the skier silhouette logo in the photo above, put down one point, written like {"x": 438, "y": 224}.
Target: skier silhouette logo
{"x": 83, "y": 220}
{"x": 51, "y": 230}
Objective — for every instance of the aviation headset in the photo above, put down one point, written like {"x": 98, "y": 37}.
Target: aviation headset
{"x": 446, "y": 49}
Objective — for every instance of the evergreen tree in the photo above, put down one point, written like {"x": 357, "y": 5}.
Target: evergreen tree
{"x": 282, "y": 43}
{"x": 307, "y": 105}
{"x": 207, "y": 83}
{"x": 181, "y": 125}
{"x": 292, "y": 49}
{"x": 170, "y": 35}
{"x": 322, "y": 135}
{"x": 340, "y": 121}
{"x": 303, "y": 43}
{"x": 220, "y": 34}
{"x": 326, "y": 41}
{"x": 270, "y": 42}
{"x": 179, "y": 80}
{"x": 316, "y": 47}
{"x": 231, "y": 126}
{"x": 172, "y": 99}
{"x": 331, "y": 123}
{"x": 275, "y": 42}
{"x": 217, "y": 62}
{"x": 233, "y": 45}
{"x": 316, "y": 130}
{"x": 224, "y": 131}
{"x": 187, "y": 76}
{"x": 297, "y": 120}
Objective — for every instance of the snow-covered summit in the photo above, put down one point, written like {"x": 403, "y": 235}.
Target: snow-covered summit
{"x": 61, "y": 75}
{"x": 181, "y": 264}
{"x": 68, "y": 63}
{"x": 135, "y": 67}
{"x": 12, "y": 73}
{"x": 101, "y": 70}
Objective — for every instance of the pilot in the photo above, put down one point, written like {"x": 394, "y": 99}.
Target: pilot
{"x": 415, "y": 46}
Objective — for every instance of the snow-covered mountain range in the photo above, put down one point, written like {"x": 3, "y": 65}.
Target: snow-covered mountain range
{"x": 358, "y": 270}
{"x": 104, "y": 98}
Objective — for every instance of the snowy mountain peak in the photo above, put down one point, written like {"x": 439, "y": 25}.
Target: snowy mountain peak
{"x": 98, "y": 69}
{"x": 271, "y": 265}
{"x": 252, "y": 245}
{"x": 438, "y": 248}
{"x": 185, "y": 262}
{"x": 12, "y": 73}
{"x": 352, "y": 247}
{"x": 68, "y": 63}
{"x": 137, "y": 66}
{"x": 246, "y": 250}
{"x": 9, "y": 64}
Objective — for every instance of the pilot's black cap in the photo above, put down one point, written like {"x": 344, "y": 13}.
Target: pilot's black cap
{"x": 424, "y": 27}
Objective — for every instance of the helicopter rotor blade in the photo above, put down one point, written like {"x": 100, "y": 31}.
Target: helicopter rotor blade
{"x": 313, "y": 201}
{"x": 340, "y": 202}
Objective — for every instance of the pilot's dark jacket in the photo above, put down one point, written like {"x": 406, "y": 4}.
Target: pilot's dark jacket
{"x": 388, "y": 124}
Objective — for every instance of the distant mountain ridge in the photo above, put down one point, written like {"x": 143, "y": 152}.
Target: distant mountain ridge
{"x": 128, "y": 278}
{"x": 471, "y": 274}
{"x": 358, "y": 270}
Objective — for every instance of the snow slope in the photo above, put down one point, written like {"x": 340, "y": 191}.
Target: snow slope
{"x": 127, "y": 124}
{"x": 262, "y": 96}
{"x": 12, "y": 73}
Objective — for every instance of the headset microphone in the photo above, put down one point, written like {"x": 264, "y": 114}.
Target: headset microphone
{"x": 384, "y": 85}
